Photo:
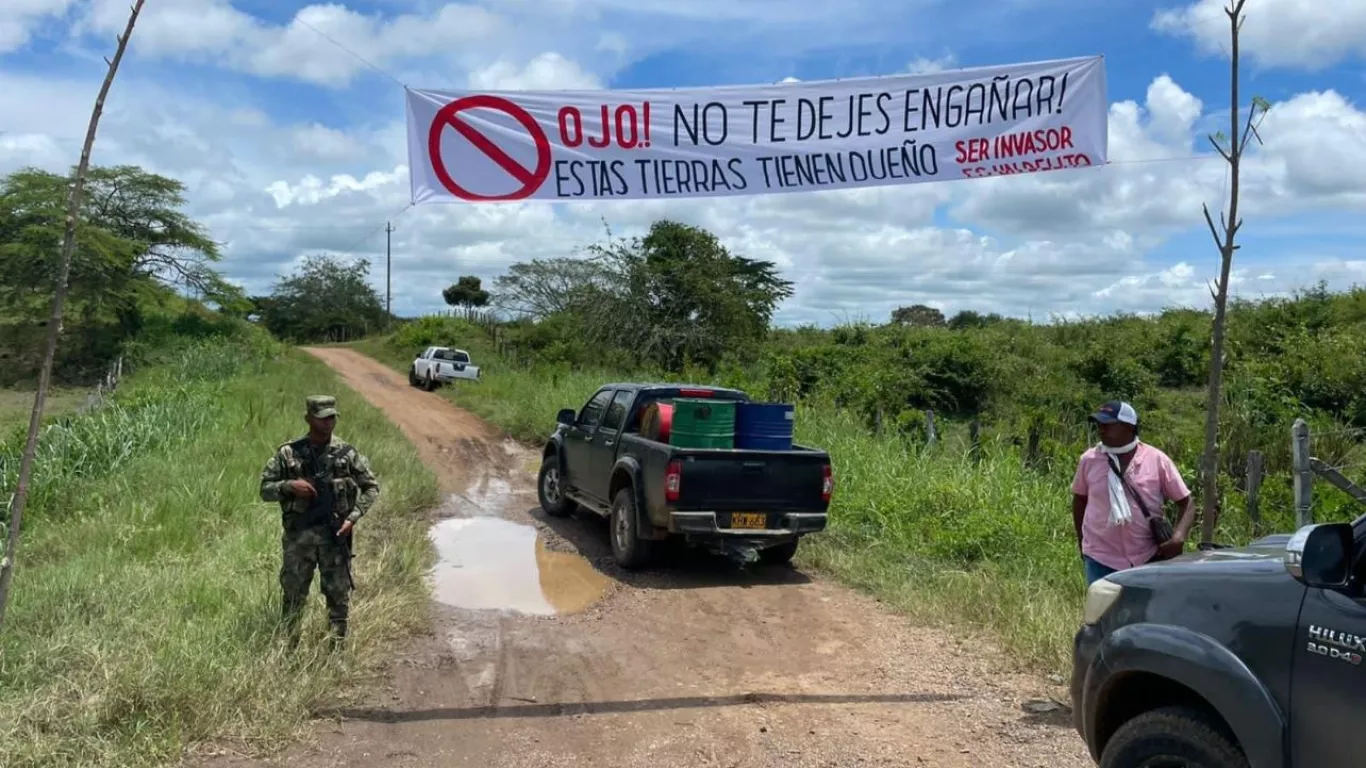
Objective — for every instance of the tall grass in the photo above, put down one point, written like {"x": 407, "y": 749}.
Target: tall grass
{"x": 146, "y": 595}
{"x": 17, "y": 404}
{"x": 983, "y": 545}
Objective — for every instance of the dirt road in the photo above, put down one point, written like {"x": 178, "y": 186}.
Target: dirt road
{"x": 544, "y": 654}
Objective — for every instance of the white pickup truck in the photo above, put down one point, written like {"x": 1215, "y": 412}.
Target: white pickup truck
{"x": 441, "y": 365}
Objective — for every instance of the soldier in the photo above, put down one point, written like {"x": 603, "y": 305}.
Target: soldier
{"x": 323, "y": 486}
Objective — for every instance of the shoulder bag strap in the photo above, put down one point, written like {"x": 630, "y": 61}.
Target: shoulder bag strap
{"x": 1114, "y": 467}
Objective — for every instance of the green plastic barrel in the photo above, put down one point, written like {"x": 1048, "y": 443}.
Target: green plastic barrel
{"x": 699, "y": 423}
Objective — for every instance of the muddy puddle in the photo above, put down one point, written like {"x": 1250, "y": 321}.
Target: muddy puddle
{"x": 487, "y": 562}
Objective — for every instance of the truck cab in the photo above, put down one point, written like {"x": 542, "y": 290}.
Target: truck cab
{"x": 1229, "y": 658}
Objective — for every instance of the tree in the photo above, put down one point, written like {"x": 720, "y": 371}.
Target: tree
{"x": 970, "y": 319}
{"x": 918, "y": 315}
{"x": 689, "y": 299}
{"x": 324, "y": 299}
{"x": 543, "y": 287}
{"x": 132, "y": 229}
{"x": 673, "y": 297}
{"x": 134, "y": 246}
{"x": 467, "y": 293}
{"x": 1231, "y": 149}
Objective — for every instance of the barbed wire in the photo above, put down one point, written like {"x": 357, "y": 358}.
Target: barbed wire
{"x": 1337, "y": 432}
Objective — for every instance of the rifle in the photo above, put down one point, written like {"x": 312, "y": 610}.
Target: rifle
{"x": 324, "y": 507}
{"x": 346, "y": 542}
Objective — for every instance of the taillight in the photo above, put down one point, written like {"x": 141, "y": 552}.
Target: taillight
{"x": 827, "y": 483}
{"x": 696, "y": 392}
{"x": 673, "y": 480}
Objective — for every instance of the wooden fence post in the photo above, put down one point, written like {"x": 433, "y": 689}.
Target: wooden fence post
{"x": 1304, "y": 474}
{"x": 975, "y": 438}
{"x": 1255, "y": 464}
{"x": 931, "y": 437}
{"x": 1032, "y": 447}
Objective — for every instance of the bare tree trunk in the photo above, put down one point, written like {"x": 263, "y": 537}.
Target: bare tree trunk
{"x": 54, "y": 328}
{"x": 1225, "y": 242}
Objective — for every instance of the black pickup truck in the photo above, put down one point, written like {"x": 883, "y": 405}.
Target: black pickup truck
{"x": 747, "y": 504}
{"x": 1229, "y": 658}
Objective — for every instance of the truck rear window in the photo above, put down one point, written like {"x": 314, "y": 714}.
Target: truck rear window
{"x": 450, "y": 356}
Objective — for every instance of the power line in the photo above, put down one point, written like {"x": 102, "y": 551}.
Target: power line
{"x": 373, "y": 231}
{"x": 288, "y": 226}
{"x": 357, "y": 56}
{"x": 1176, "y": 159}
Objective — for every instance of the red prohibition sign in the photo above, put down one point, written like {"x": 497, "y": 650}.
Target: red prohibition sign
{"x": 448, "y": 116}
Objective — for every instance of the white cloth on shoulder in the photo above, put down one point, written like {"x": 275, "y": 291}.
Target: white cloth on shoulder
{"x": 1119, "y": 500}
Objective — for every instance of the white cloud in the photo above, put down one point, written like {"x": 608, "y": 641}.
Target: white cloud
{"x": 1067, "y": 241}
{"x": 1307, "y": 34}
{"x": 323, "y": 143}
{"x": 323, "y": 44}
{"x": 925, "y": 66}
{"x": 273, "y": 189}
{"x": 1153, "y": 186}
{"x": 19, "y": 19}
{"x": 548, "y": 71}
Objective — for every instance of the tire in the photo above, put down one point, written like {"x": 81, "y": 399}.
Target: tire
{"x": 628, "y": 549}
{"x": 1172, "y": 736}
{"x": 412, "y": 376}
{"x": 429, "y": 384}
{"x": 550, "y": 489}
{"x": 779, "y": 555}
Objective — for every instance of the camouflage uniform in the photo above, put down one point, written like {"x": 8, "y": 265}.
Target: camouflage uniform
{"x": 346, "y": 489}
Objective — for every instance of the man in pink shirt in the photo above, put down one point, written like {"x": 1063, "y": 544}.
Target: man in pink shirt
{"x": 1110, "y": 513}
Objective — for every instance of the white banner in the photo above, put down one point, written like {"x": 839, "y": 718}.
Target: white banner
{"x": 748, "y": 140}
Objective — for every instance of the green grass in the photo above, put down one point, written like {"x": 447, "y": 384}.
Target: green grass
{"x": 146, "y": 594}
{"x": 947, "y": 541}
{"x": 17, "y": 404}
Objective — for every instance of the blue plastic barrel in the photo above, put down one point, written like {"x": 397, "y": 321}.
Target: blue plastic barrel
{"x": 764, "y": 426}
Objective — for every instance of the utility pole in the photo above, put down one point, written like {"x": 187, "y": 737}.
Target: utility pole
{"x": 388, "y": 271}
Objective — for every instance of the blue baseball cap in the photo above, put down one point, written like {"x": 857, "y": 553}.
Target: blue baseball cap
{"x": 1115, "y": 412}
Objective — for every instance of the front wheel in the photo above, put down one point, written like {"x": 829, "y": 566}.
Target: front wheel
{"x": 628, "y": 549}
{"x": 550, "y": 489}
{"x": 1172, "y": 736}
{"x": 412, "y": 377}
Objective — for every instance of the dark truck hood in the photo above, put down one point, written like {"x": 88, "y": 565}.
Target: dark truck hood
{"x": 1233, "y": 595}
{"x": 1266, "y": 548}
{"x": 1262, "y": 558}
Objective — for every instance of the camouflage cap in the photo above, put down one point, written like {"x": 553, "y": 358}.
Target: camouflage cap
{"x": 322, "y": 406}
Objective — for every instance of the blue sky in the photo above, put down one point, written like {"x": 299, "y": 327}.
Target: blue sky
{"x": 289, "y": 145}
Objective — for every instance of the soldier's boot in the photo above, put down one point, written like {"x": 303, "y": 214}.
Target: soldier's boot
{"x": 291, "y": 621}
{"x": 336, "y": 641}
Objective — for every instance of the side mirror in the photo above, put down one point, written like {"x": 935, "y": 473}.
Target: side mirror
{"x": 565, "y": 416}
{"x": 1320, "y": 556}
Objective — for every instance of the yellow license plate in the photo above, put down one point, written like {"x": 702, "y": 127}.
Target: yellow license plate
{"x": 748, "y": 520}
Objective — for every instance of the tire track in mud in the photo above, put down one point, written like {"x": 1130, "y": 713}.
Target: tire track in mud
{"x": 692, "y": 664}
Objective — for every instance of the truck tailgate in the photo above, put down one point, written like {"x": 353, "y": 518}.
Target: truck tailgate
{"x": 779, "y": 481}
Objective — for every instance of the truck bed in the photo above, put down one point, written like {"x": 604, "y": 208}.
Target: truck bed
{"x": 733, "y": 480}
